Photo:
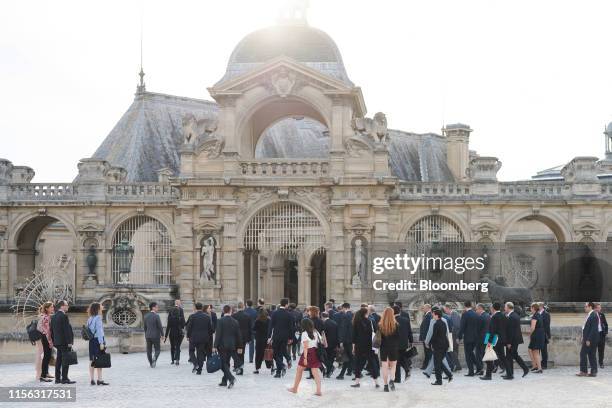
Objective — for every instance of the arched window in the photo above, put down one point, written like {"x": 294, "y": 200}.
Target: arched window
{"x": 434, "y": 229}
{"x": 151, "y": 263}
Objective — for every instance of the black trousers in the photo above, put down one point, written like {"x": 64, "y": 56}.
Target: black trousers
{"x": 61, "y": 369}
{"x": 349, "y": 365}
{"x": 280, "y": 353}
{"x": 500, "y": 350}
{"x": 175, "y": 347}
{"x": 46, "y": 356}
{"x": 369, "y": 358}
{"x": 470, "y": 357}
{"x": 201, "y": 351}
{"x": 152, "y": 344}
{"x": 544, "y": 354}
{"x": 454, "y": 355}
{"x": 511, "y": 356}
{"x": 260, "y": 347}
{"x": 588, "y": 353}
{"x": 192, "y": 353}
{"x": 329, "y": 360}
{"x": 427, "y": 355}
{"x": 402, "y": 363}
{"x": 226, "y": 355}
{"x": 238, "y": 359}
{"x": 601, "y": 348}
{"x": 438, "y": 356}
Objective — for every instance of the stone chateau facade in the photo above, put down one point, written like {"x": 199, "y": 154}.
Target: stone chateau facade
{"x": 268, "y": 189}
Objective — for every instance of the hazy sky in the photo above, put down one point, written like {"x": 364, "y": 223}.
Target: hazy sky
{"x": 532, "y": 78}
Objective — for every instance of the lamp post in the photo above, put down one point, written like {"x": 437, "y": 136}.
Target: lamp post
{"x": 124, "y": 253}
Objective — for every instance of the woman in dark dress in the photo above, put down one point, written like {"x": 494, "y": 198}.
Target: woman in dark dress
{"x": 389, "y": 346}
{"x": 362, "y": 346}
{"x": 261, "y": 337}
{"x": 174, "y": 328}
{"x": 536, "y": 339}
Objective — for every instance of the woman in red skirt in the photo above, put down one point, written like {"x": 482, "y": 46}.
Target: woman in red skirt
{"x": 310, "y": 340}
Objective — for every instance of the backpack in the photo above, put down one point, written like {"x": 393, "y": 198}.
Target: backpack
{"x": 86, "y": 333}
{"x": 33, "y": 334}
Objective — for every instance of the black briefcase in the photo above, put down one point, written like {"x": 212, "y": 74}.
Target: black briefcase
{"x": 69, "y": 357}
{"x": 412, "y": 352}
{"x": 102, "y": 360}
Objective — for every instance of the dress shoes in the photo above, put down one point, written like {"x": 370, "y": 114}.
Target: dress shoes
{"x": 437, "y": 383}
{"x": 486, "y": 377}
{"x": 507, "y": 377}
{"x": 277, "y": 375}
{"x": 593, "y": 375}
{"x": 68, "y": 381}
{"x": 222, "y": 384}
{"x": 525, "y": 372}
{"x": 340, "y": 377}
{"x": 470, "y": 375}
{"x": 426, "y": 375}
{"x": 231, "y": 384}
{"x": 481, "y": 372}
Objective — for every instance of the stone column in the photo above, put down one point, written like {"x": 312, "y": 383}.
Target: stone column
{"x": 458, "y": 149}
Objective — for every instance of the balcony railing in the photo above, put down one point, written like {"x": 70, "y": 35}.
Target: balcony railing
{"x": 535, "y": 189}
{"x": 415, "y": 191}
{"x": 141, "y": 192}
{"x": 285, "y": 168}
{"x": 42, "y": 192}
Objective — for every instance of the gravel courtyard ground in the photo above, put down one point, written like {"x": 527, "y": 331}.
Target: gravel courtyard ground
{"x": 134, "y": 384}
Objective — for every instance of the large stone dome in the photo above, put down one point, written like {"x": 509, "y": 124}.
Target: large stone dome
{"x": 305, "y": 44}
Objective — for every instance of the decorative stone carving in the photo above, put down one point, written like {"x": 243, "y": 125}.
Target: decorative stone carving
{"x": 211, "y": 148}
{"x": 116, "y": 174}
{"x": 22, "y": 174}
{"x": 375, "y": 129}
{"x": 91, "y": 235}
{"x": 357, "y": 146}
{"x": 6, "y": 169}
{"x": 283, "y": 82}
{"x": 92, "y": 170}
{"x": 586, "y": 230}
{"x": 360, "y": 259}
{"x": 208, "y": 258}
{"x": 581, "y": 170}
{"x": 484, "y": 169}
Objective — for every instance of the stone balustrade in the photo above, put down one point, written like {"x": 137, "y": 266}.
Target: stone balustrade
{"x": 416, "y": 191}
{"x": 535, "y": 190}
{"x": 141, "y": 192}
{"x": 285, "y": 168}
{"x": 42, "y": 192}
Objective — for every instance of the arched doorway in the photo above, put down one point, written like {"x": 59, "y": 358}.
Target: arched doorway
{"x": 294, "y": 137}
{"x": 283, "y": 244}
{"x": 41, "y": 240}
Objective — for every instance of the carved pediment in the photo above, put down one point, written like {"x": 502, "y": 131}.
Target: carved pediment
{"x": 283, "y": 75}
{"x": 587, "y": 229}
{"x": 485, "y": 230}
{"x": 90, "y": 227}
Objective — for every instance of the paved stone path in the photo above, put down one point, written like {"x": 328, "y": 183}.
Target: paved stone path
{"x": 134, "y": 384}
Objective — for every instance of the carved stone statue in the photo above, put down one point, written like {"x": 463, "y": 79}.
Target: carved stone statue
{"x": 375, "y": 129}
{"x": 92, "y": 260}
{"x": 194, "y": 129}
{"x": 360, "y": 254}
{"x": 207, "y": 257}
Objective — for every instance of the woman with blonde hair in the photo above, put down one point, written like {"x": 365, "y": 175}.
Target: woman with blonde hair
{"x": 44, "y": 346}
{"x": 389, "y": 346}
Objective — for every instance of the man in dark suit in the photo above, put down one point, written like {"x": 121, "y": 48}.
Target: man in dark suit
{"x": 405, "y": 341}
{"x": 484, "y": 318}
{"x": 439, "y": 345}
{"x": 590, "y": 339}
{"x": 200, "y": 334}
{"x": 63, "y": 338}
{"x": 514, "y": 337}
{"x": 153, "y": 333}
{"x": 469, "y": 331}
{"x": 330, "y": 328}
{"x": 423, "y": 329}
{"x": 373, "y": 316}
{"x": 601, "y": 346}
{"x": 345, "y": 337}
{"x": 244, "y": 321}
{"x": 330, "y": 310}
{"x": 228, "y": 341}
{"x": 252, "y": 313}
{"x": 279, "y": 333}
{"x": 497, "y": 327}
{"x": 546, "y": 323}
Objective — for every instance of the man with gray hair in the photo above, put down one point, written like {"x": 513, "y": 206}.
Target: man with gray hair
{"x": 455, "y": 320}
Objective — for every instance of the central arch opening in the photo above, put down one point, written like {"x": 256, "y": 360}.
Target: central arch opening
{"x": 284, "y": 255}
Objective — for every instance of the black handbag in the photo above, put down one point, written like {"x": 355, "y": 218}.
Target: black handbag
{"x": 321, "y": 352}
{"x": 213, "y": 363}
{"x": 86, "y": 333}
{"x": 102, "y": 360}
{"x": 69, "y": 358}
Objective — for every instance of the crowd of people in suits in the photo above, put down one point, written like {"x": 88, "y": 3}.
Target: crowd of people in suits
{"x": 354, "y": 342}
